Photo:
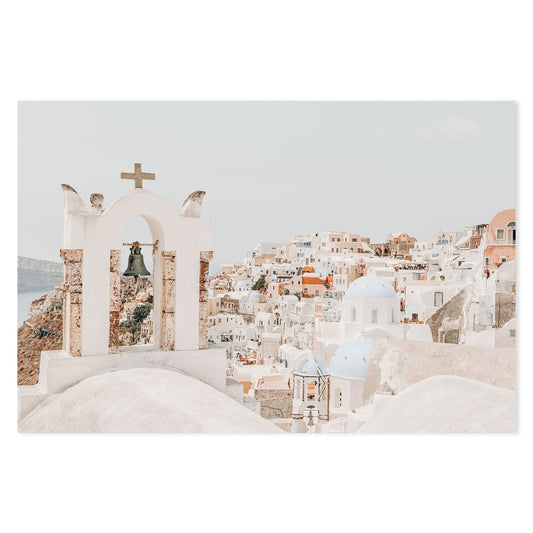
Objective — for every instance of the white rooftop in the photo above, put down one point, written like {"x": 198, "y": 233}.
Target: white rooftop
{"x": 446, "y": 404}
{"x": 143, "y": 400}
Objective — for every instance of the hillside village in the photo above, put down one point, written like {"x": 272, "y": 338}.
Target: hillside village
{"x": 320, "y": 331}
{"x": 329, "y": 332}
{"x": 312, "y": 313}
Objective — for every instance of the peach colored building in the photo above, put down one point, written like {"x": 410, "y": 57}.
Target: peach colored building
{"x": 400, "y": 244}
{"x": 340, "y": 242}
{"x": 501, "y": 239}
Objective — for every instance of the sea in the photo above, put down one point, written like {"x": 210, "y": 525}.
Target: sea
{"x": 24, "y": 303}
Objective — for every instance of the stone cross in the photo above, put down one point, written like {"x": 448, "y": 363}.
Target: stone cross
{"x": 138, "y": 176}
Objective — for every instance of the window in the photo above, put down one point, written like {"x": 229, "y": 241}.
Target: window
{"x": 487, "y": 261}
{"x": 354, "y": 314}
{"x": 503, "y": 259}
{"x": 437, "y": 299}
{"x": 500, "y": 234}
{"x": 511, "y": 232}
{"x": 374, "y": 316}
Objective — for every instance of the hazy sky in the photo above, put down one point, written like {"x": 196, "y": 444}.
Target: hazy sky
{"x": 272, "y": 169}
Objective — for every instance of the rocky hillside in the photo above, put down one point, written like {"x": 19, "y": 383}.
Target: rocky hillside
{"x": 38, "y": 275}
{"x": 43, "y": 329}
{"x": 129, "y": 288}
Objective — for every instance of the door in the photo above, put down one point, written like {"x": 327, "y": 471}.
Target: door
{"x": 438, "y": 299}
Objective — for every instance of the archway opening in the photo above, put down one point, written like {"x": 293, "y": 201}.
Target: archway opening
{"x": 138, "y": 323}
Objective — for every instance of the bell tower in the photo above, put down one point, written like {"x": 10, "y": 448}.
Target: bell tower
{"x": 311, "y": 394}
{"x": 91, "y": 252}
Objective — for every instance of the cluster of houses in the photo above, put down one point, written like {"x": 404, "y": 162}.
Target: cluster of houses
{"x": 299, "y": 319}
{"x": 143, "y": 296}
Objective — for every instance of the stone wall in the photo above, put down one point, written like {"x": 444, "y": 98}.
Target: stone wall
{"x": 504, "y": 308}
{"x": 451, "y": 311}
{"x": 72, "y": 300}
{"x": 168, "y": 308}
{"x": 275, "y": 403}
{"x": 397, "y": 364}
{"x": 115, "y": 300}
{"x": 205, "y": 258}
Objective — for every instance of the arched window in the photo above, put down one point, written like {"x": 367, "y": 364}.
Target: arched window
{"x": 354, "y": 314}
{"x": 511, "y": 232}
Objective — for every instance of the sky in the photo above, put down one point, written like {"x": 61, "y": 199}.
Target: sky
{"x": 272, "y": 170}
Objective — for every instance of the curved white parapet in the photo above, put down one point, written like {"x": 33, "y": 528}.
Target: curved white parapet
{"x": 59, "y": 371}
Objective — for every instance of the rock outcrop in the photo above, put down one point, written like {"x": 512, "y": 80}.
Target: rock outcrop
{"x": 129, "y": 288}
{"x": 397, "y": 364}
{"x": 43, "y": 329}
{"x": 449, "y": 317}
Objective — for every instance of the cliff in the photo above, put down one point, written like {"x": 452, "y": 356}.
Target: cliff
{"x": 397, "y": 364}
{"x": 38, "y": 275}
{"x": 43, "y": 329}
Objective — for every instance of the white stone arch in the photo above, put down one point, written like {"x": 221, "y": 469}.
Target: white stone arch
{"x": 158, "y": 212}
{"x": 160, "y": 215}
{"x": 93, "y": 234}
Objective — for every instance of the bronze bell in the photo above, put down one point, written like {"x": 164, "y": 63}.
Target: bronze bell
{"x": 136, "y": 265}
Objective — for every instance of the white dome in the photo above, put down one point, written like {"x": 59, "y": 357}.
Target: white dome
{"x": 351, "y": 359}
{"x": 143, "y": 400}
{"x": 370, "y": 288}
{"x": 446, "y": 404}
{"x": 309, "y": 366}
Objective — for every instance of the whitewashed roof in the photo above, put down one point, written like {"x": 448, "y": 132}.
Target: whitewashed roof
{"x": 143, "y": 400}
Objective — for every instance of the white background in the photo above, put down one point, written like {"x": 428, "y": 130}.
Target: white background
{"x": 273, "y": 50}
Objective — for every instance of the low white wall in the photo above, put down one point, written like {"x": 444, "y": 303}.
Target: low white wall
{"x": 486, "y": 338}
{"x": 59, "y": 371}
